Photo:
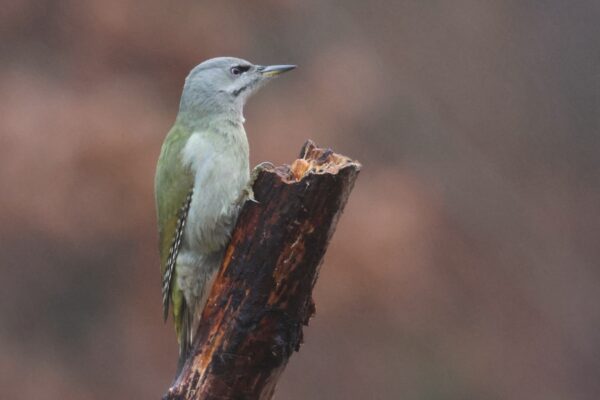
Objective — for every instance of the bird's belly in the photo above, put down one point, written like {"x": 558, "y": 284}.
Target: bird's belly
{"x": 215, "y": 205}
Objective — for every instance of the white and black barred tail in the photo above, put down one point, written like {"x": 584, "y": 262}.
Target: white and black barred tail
{"x": 173, "y": 253}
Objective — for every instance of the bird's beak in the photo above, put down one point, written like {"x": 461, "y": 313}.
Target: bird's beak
{"x": 274, "y": 70}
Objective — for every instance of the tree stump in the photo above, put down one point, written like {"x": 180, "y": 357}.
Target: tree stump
{"x": 262, "y": 295}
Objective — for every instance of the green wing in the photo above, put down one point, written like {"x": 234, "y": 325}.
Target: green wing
{"x": 173, "y": 186}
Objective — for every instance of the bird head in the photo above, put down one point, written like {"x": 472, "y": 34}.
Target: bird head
{"x": 222, "y": 85}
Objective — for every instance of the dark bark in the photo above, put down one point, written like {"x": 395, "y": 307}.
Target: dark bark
{"x": 262, "y": 295}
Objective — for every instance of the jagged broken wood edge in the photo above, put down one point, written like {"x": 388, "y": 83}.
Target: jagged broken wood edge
{"x": 262, "y": 295}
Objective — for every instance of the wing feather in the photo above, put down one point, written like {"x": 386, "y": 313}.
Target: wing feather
{"x": 173, "y": 187}
{"x": 173, "y": 253}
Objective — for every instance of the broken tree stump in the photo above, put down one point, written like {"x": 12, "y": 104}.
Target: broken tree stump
{"x": 262, "y": 295}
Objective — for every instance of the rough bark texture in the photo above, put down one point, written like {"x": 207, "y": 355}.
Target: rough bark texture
{"x": 262, "y": 295}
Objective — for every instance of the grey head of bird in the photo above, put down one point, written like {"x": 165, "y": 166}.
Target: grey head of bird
{"x": 219, "y": 87}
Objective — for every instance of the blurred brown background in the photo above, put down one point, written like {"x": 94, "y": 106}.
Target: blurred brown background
{"x": 465, "y": 265}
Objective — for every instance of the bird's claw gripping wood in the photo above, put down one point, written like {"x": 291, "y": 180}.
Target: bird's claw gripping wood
{"x": 263, "y": 166}
{"x": 248, "y": 192}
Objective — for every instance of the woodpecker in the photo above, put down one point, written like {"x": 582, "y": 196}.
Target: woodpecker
{"x": 202, "y": 179}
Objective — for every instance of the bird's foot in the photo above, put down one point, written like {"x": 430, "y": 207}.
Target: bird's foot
{"x": 260, "y": 167}
{"x": 248, "y": 192}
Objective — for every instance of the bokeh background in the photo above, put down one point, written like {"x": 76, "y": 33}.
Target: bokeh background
{"x": 465, "y": 265}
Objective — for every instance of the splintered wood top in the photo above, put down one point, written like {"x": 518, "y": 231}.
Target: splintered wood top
{"x": 313, "y": 160}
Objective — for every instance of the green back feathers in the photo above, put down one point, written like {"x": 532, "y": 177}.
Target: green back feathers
{"x": 173, "y": 185}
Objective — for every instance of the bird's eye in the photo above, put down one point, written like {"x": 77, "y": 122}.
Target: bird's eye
{"x": 239, "y": 69}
